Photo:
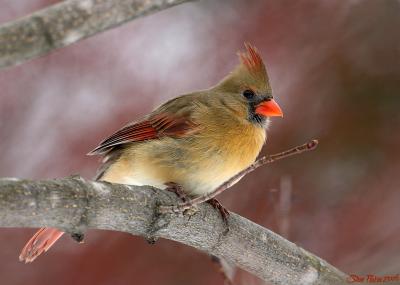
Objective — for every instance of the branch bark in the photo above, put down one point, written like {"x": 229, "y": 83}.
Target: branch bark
{"x": 74, "y": 205}
{"x": 67, "y": 22}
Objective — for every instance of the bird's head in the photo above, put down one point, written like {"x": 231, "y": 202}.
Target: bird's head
{"x": 248, "y": 88}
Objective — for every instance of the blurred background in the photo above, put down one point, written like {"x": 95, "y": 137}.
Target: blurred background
{"x": 335, "y": 70}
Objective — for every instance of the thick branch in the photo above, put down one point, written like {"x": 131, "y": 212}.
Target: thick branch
{"x": 74, "y": 205}
{"x": 68, "y": 22}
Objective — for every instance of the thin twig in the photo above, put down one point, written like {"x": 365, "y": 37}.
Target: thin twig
{"x": 181, "y": 207}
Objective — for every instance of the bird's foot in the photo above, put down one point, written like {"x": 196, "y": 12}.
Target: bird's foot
{"x": 177, "y": 189}
{"x": 217, "y": 205}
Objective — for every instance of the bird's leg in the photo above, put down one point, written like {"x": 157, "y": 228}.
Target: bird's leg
{"x": 177, "y": 189}
{"x": 217, "y": 205}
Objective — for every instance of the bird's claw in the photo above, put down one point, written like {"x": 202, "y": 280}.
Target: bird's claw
{"x": 224, "y": 212}
{"x": 177, "y": 189}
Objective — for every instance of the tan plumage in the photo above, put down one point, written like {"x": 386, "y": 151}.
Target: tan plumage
{"x": 222, "y": 145}
{"x": 198, "y": 140}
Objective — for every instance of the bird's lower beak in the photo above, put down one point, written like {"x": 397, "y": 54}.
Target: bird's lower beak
{"x": 269, "y": 109}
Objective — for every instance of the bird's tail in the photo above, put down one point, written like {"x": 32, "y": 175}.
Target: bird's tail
{"x": 40, "y": 242}
{"x": 44, "y": 238}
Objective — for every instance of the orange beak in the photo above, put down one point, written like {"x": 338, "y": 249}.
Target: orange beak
{"x": 269, "y": 109}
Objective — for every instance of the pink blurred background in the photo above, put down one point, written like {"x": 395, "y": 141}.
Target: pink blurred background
{"x": 335, "y": 70}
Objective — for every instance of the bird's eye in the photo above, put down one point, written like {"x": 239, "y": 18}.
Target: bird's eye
{"x": 249, "y": 94}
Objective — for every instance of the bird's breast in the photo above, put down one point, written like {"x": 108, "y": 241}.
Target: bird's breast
{"x": 221, "y": 157}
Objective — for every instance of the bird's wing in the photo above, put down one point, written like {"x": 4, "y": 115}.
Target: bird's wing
{"x": 163, "y": 122}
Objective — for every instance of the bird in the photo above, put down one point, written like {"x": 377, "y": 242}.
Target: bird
{"x": 191, "y": 144}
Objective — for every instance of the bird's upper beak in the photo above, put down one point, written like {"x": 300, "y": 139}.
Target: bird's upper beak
{"x": 269, "y": 108}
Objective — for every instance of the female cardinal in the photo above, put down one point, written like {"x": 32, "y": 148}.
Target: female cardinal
{"x": 198, "y": 140}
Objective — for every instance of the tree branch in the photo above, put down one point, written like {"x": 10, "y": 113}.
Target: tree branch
{"x": 67, "y": 22}
{"x": 74, "y": 205}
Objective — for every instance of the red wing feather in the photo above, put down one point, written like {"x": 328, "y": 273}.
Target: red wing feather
{"x": 153, "y": 128}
